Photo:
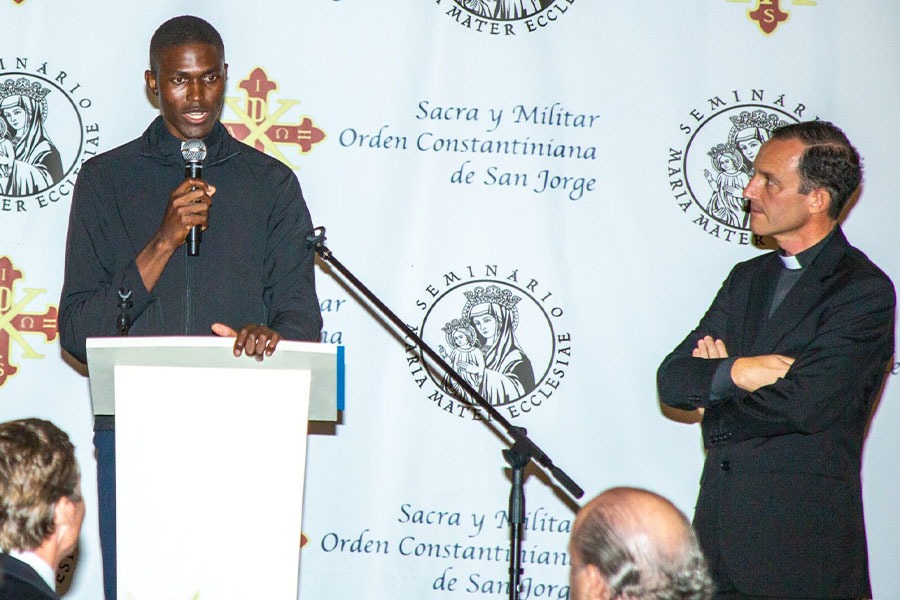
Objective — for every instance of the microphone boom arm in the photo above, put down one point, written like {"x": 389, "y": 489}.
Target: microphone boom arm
{"x": 316, "y": 239}
{"x": 520, "y": 452}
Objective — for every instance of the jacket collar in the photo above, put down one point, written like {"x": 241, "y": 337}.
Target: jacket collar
{"x": 803, "y": 297}
{"x": 158, "y": 143}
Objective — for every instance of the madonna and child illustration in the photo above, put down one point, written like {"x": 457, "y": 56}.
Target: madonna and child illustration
{"x": 732, "y": 162}
{"x": 484, "y": 349}
{"x": 29, "y": 161}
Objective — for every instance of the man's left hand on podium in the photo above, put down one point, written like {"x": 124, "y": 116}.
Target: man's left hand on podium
{"x": 254, "y": 340}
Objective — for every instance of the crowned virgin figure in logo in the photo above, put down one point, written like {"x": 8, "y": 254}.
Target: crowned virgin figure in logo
{"x": 29, "y": 161}
{"x": 748, "y": 132}
{"x": 732, "y": 165}
{"x": 485, "y": 351}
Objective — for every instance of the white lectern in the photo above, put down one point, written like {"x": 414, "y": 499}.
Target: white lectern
{"x": 210, "y": 458}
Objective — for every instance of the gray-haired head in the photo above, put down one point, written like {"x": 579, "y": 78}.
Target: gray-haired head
{"x": 633, "y": 543}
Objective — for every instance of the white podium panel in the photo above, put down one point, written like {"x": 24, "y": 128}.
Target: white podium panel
{"x": 209, "y": 469}
{"x": 210, "y": 460}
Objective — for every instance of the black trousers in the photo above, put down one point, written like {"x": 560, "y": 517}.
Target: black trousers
{"x": 105, "y": 445}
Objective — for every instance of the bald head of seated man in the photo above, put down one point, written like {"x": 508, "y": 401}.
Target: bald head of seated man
{"x": 633, "y": 543}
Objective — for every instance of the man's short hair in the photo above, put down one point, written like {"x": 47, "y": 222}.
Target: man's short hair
{"x": 37, "y": 469}
{"x": 178, "y": 31}
{"x": 829, "y": 161}
{"x": 638, "y": 558}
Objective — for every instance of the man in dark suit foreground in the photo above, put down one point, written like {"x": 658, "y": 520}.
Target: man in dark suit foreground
{"x": 632, "y": 543}
{"x": 785, "y": 367}
{"x": 41, "y": 509}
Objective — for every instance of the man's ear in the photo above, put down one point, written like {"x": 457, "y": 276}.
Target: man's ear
{"x": 593, "y": 583}
{"x": 819, "y": 201}
{"x": 68, "y": 515}
{"x": 150, "y": 80}
{"x": 64, "y": 513}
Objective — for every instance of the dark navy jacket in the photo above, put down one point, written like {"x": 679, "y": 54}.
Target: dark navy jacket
{"x": 18, "y": 581}
{"x": 254, "y": 265}
{"x": 780, "y": 509}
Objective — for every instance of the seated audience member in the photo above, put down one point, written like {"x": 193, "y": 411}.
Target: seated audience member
{"x": 41, "y": 509}
{"x": 632, "y": 543}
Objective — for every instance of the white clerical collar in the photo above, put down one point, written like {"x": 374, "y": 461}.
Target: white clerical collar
{"x": 38, "y": 564}
{"x": 790, "y": 262}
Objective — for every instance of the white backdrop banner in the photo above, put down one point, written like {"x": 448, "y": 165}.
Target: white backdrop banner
{"x": 560, "y": 158}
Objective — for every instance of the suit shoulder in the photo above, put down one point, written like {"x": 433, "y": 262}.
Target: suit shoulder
{"x": 861, "y": 267}
{"x": 19, "y": 580}
{"x": 861, "y": 262}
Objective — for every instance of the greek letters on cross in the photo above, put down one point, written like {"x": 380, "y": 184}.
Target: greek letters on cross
{"x": 261, "y": 128}
{"x": 15, "y": 322}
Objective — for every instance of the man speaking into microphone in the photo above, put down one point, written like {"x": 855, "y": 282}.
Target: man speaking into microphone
{"x": 133, "y": 207}
{"x": 132, "y": 210}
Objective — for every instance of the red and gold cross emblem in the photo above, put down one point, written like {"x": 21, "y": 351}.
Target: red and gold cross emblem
{"x": 261, "y": 127}
{"x": 769, "y": 14}
{"x": 15, "y": 322}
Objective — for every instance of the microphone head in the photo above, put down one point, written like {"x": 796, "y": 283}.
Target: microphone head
{"x": 193, "y": 151}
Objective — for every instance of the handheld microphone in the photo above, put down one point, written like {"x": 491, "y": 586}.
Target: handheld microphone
{"x": 194, "y": 152}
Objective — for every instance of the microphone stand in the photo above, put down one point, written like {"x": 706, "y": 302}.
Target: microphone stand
{"x": 518, "y": 455}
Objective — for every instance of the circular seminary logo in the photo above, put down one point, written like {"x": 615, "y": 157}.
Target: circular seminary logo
{"x": 44, "y": 135}
{"x": 504, "y": 338}
{"x": 505, "y": 17}
{"x": 708, "y": 174}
